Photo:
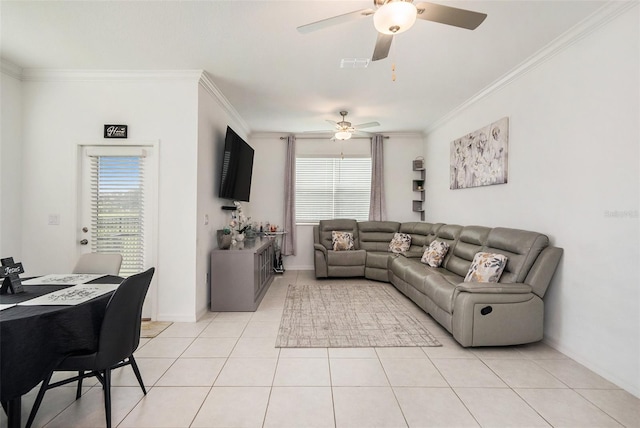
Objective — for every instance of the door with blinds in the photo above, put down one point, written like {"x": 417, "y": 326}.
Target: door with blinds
{"x": 117, "y": 210}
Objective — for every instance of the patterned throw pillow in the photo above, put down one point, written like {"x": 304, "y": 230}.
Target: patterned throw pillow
{"x": 342, "y": 241}
{"x": 435, "y": 253}
{"x": 400, "y": 243}
{"x": 486, "y": 267}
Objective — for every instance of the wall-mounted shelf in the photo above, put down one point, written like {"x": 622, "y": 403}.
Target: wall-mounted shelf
{"x": 418, "y": 187}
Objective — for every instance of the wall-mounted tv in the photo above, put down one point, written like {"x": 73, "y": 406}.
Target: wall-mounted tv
{"x": 237, "y": 167}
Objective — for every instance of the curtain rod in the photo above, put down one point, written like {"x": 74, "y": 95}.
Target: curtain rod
{"x": 318, "y": 138}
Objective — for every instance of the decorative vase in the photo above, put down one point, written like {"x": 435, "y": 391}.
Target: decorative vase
{"x": 224, "y": 241}
{"x": 239, "y": 237}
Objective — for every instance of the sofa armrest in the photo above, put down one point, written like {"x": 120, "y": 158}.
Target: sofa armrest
{"x": 321, "y": 248}
{"x": 412, "y": 254}
{"x": 493, "y": 288}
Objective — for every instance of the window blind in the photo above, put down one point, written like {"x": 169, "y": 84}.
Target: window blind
{"x": 117, "y": 209}
{"x": 332, "y": 188}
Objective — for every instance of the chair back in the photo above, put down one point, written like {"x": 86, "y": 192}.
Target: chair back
{"x": 120, "y": 331}
{"x": 108, "y": 264}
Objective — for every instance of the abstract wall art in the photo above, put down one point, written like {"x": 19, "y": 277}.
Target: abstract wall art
{"x": 480, "y": 158}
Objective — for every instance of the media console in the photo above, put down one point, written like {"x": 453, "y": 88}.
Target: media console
{"x": 241, "y": 275}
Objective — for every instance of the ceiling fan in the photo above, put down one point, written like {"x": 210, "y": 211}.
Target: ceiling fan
{"x": 392, "y": 17}
{"x": 343, "y": 130}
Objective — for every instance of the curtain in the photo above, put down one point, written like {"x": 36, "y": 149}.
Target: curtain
{"x": 289, "y": 238}
{"x": 376, "y": 206}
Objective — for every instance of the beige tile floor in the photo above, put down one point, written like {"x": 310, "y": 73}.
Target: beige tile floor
{"x": 224, "y": 371}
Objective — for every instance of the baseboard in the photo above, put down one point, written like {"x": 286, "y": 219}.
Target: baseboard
{"x": 622, "y": 383}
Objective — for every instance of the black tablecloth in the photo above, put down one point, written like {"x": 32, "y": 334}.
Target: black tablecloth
{"x": 35, "y": 339}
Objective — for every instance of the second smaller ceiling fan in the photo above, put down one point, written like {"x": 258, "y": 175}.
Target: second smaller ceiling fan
{"x": 344, "y": 130}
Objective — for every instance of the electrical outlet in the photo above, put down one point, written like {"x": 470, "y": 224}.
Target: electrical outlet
{"x": 54, "y": 219}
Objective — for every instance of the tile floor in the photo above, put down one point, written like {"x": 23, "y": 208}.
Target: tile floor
{"x": 224, "y": 371}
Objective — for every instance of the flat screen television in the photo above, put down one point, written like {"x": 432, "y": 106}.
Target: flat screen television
{"x": 237, "y": 167}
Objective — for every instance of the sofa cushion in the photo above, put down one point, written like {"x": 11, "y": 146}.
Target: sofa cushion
{"x": 470, "y": 241}
{"x": 378, "y": 259}
{"x": 486, "y": 267}
{"x": 347, "y": 258}
{"x": 435, "y": 253}
{"x": 422, "y": 234}
{"x": 441, "y": 288}
{"x": 522, "y": 248}
{"x": 342, "y": 241}
{"x": 376, "y": 235}
{"x": 325, "y": 227}
{"x": 400, "y": 243}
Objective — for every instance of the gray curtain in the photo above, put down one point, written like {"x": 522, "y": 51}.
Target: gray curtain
{"x": 376, "y": 206}
{"x": 289, "y": 239}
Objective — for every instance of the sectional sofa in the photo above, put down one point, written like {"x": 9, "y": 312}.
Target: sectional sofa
{"x": 507, "y": 312}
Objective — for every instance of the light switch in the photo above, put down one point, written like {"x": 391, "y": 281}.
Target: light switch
{"x": 54, "y": 219}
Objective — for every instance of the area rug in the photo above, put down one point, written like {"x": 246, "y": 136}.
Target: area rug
{"x": 151, "y": 329}
{"x": 349, "y": 315}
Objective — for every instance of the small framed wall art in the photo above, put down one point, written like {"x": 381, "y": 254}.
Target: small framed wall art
{"x": 115, "y": 131}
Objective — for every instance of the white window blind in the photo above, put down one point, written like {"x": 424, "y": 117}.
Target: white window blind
{"x": 332, "y": 188}
{"x": 117, "y": 209}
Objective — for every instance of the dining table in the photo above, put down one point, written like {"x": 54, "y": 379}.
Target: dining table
{"x": 35, "y": 339}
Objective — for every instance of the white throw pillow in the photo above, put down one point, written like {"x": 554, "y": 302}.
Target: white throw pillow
{"x": 400, "y": 243}
{"x": 435, "y": 253}
{"x": 486, "y": 267}
{"x": 342, "y": 241}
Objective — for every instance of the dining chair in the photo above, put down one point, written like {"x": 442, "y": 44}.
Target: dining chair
{"x": 119, "y": 338}
{"x": 106, "y": 263}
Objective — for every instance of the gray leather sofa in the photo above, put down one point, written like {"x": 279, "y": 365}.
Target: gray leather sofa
{"x": 477, "y": 314}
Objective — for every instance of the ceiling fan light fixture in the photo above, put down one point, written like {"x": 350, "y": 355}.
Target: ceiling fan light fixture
{"x": 342, "y": 135}
{"x": 395, "y": 17}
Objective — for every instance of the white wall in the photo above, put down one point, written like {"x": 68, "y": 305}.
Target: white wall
{"x": 10, "y": 162}
{"x": 213, "y": 118}
{"x": 62, "y": 110}
{"x": 267, "y": 194}
{"x": 574, "y": 175}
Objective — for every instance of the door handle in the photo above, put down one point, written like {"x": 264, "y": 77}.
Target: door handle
{"x": 83, "y": 242}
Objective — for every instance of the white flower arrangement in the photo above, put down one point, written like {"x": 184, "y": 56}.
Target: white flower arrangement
{"x": 239, "y": 221}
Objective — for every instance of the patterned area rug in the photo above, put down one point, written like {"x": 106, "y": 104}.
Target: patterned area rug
{"x": 349, "y": 316}
{"x": 151, "y": 329}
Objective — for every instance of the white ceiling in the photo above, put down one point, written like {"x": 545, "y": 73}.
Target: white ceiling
{"x": 278, "y": 79}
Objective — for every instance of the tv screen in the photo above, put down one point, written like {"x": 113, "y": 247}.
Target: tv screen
{"x": 237, "y": 167}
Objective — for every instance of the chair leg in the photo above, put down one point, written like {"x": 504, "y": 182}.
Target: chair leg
{"x": 39, "y": 397}
{"x": 134, "y": 366}
{"x": 107, "y": 396}
{"x": 79, "y": 390}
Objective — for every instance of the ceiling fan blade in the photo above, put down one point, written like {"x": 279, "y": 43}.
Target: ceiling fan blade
{"x": 335, "y": 20}
{"x": 383, "y": 44}
{"x": 450, "y": 15}
{"x": 366, "y": 125}
{"x": 333, "y": 123}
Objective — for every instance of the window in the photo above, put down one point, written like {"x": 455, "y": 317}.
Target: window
{"x": 332, "y": 188}
{"x": 117, "y": 209}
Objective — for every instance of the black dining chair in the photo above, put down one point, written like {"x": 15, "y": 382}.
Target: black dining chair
{"x": 119, "y": 338}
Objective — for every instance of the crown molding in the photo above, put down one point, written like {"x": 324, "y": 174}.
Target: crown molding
{"x": 10, "y": 69}
{"x": 599, "y": 18}
{"x": 61, "y": 75}
{"x": 207, "y": 83}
